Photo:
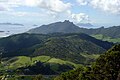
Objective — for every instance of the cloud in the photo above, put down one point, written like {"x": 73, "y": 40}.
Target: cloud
{"x": 111, "y": 6}
{"x": 49, "y": 8}
{"x": 23, "y": 14}
{"x": 79, "y": 17}
{"x": 52, "y": 5}
{"x": 4, "y": 7}
{"x": 73, "y": 17}
{"x": 82, "y": 2}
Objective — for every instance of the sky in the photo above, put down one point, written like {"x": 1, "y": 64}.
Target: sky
{"x": 96, "y": 12}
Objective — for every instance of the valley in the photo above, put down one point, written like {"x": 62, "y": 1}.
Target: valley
{"x": 59, "y": 39}
{"x": 54, "y": 54}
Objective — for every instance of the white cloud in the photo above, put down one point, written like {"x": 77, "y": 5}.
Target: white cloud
{"x": 52, "y": 5}
{"x": 79, "y": 17}
{"x": 82, "y": 2}
{"x": 111, "y": 6}
{"x": 23, "y": 14}
{"x": 4, "y": 7}
{"x": 51, "y": 9}
{"x": 73, "y": 17}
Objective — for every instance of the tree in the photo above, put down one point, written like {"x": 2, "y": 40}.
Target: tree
{"x": 0, "y": 58}
{"x": 38, "y": 77}
{"x": 106, "y": 67}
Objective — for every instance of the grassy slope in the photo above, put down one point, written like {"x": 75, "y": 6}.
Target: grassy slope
{"x": 92, "y": 56}
{"x": 22, "y": 61}
{"x": 106, "y": 67}
{"x": 106, "y": 38}
{"x": 61, "y": 46}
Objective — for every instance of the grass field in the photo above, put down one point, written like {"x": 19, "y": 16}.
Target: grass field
{"x": 91, "y": 56}
{"x": 106, "y": 38}
{"x": 22, "y": 61}
{"x": 28, "y": 77}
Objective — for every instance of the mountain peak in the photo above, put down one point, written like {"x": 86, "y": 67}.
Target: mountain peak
{"x": 67, "y": 21}
{"x": 62, "y": 27}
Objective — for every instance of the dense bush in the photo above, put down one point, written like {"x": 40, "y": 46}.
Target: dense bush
{"x": 64, "y": 46}
{"x": 38, "y": 77}
{"x": 106, "y": 67}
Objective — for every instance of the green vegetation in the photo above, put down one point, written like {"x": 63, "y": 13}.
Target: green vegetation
{"x": 26, "y": 56}
{"x": 42, "y": 58}
{"x": 38, "y": 77}
{"x": 69, "y": 27}
{"x": 26, "y": 77}
{"x": 64, "y": 27}
{"x": 21, "y": 78}
{"x": 50, "y": 54}
{"x": 57, "y": 45}
{"x": 21, "y": 63}
{"x": 106, "y": 38}
{"x": 106, "y": 67}
{"x": 111, "y": 34}
{"x": 101, "y": 37}
{"x": 90, "y": 58}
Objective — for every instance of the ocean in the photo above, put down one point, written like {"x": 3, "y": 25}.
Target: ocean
{"x": 7, "y": 30}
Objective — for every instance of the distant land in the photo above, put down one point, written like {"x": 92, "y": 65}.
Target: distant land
{"x": 111, "y": 34}
{"x": 17, "y": 24}
{"x": 87, "y": 25}
{"x": 2, "y": 31}
{"x": 35, "y": 25}
{"x": 70, "y": 27}
{"x": 64, "y": 27}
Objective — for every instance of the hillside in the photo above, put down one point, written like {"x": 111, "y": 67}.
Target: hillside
{"x": 20, "y": 44}
{"x": 64, "y": 27}
{"x": 106, "y": 38}
{"x": 69, "y": 27}
{"x": 63, "y": 46}
{"x": 17, "y": 24}
{"x": 45, "y": 65}
{"x": 106, "y": 67}
{"x": 37, "y": 65}
{"x": 70, "y": 47}
{"x": 110, "y": 31}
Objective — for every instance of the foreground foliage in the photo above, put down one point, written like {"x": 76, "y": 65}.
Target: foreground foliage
{"x": 106, "y": 67}
{"x": 26, "y": 77}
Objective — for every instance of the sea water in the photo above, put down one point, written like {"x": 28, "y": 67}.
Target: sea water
{"x": 7, "y": 30}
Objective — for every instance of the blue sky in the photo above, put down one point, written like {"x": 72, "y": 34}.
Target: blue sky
{"x": 96, "y": 12}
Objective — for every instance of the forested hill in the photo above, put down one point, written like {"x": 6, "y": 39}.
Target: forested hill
{"x": 113, "y": 32}
{"x": 63, "y": 46}
{"x": 69, "y": 27}
{"x": 64, "y": 27}
{"x": 106, "y": 67}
